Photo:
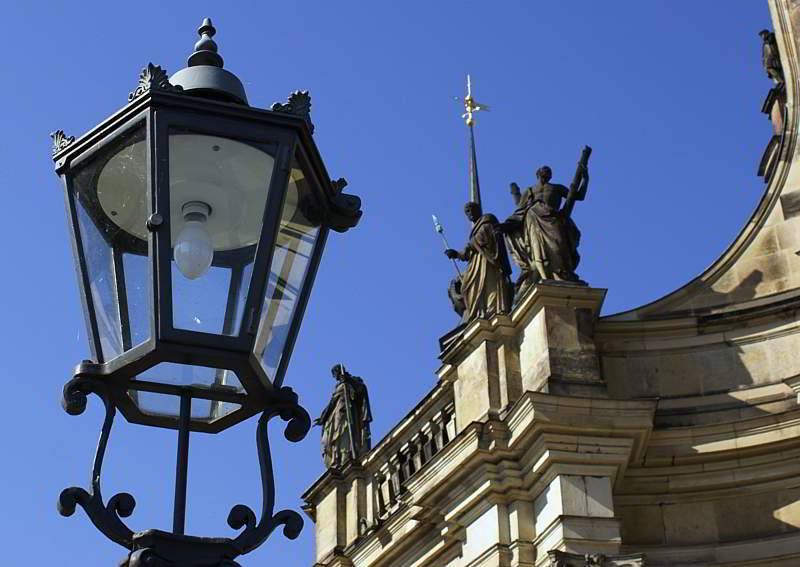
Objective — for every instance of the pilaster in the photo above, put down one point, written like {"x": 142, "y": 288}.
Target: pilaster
{"x": 339, "y": 499}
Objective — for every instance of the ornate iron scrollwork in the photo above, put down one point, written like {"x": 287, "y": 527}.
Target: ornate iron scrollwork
{"x": 254, "y": 534}
{"x": 106, "y": 517}
{"x": 154, "y": 548}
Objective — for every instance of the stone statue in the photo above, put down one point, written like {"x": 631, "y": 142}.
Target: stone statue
{"x": 485, "y": 285}
{"x": 345, "y": 421}
{"x": 770, "y": 57}
{"x": 541, "y": 233}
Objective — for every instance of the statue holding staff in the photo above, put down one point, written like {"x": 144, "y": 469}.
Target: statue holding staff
{"x": 345, "y": 420}
{"x": 541, "y": 234}
{"x": 485, "y": 285}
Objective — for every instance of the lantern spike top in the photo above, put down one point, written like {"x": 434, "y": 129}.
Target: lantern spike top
{"x": 205, "y": 50}
{"x": 204, "y": 75}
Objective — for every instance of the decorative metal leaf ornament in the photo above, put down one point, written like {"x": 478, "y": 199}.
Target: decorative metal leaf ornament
{"x": 60, "y": 140}
{"x": 299, "y": 104}
{"x": 153, "y": 77}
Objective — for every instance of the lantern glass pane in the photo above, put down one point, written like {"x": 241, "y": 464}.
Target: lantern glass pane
{"x": 169, "y": 405}
{"x": 115, "y": 263}
{"x": 188, "y": 375}
{"x": 218, "y": 193}
{"x": 139, "y": 292}
{"x": 294, "y": 248}
{"x": 102, "y": 293}
{"x": 211, "y": 379}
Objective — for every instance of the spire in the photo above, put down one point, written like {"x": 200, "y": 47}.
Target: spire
{"x": 471, "y": 107}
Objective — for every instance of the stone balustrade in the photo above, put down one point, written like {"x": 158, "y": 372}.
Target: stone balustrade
{"x": 390, "y": 468}
{"x": 404, "y": 452}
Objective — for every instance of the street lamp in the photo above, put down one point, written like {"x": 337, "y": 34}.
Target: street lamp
{"x": 197, "y": 225}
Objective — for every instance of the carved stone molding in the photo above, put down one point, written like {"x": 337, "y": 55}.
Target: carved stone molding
{"x": 152, "y": 78}
{"x": 564, "y": 559}
{"x": 60, "y": 140}
{"x": 299, "y": 104}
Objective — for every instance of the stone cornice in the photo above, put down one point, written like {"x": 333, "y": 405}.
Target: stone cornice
{"x": 514, "y": 459}
{"x": 753, "y": 321}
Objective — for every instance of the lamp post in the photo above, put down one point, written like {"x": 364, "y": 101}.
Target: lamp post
{"x": 197, "y": 225}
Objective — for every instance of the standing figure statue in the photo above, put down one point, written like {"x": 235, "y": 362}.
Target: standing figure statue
{"x": 770, "y": 57}
{"x": 541, "y": 234}
{"x": 485, "y": 285}
{"x": 345, "y": 421}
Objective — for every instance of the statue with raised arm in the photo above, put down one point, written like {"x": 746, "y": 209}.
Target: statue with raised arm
{"x": 541, "y": 234}
{"x": 485, "y": 285}
{"x": 345, "y": 420}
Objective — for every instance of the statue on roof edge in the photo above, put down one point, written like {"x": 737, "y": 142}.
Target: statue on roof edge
{"x": 345, "y": 420}
{"x": 485, "y": 286}
{"x": 541, "y": 234}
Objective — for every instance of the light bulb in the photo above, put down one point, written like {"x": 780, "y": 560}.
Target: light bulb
{"x": 194, "y": 250}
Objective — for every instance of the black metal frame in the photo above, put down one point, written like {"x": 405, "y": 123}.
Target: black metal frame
{"x": 159, "y": 111}
{"x": 156, "y": 109}
{"x": 157, "y": 548}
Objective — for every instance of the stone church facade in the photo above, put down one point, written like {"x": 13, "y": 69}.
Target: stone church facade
{"x": 664, "y": 435}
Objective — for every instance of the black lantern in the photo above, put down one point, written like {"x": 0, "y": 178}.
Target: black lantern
{"x": 197, "y": 223}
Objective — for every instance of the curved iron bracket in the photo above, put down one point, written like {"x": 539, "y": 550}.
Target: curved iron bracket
{"x": 254, "y": 534}
{"x": 105, "y": 517}
{"x": 155, "y": 548}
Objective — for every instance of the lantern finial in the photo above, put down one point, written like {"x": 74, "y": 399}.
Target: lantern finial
{"x": 204, "y": 75}
{"x": 205, "y": 50}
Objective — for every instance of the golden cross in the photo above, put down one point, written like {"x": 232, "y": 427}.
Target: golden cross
{"x": 471, "y": 106}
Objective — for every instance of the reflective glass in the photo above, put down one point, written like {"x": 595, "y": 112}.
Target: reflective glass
{"x": 294, "y": 249}
{"x": 218, "y": 192}
{"x": 102, "y": 289}
{"x": 106, "y": 188}
{"x": 169, "y": 405}
{"x": 137, "y": 286}
{"x": 186, "y": 375}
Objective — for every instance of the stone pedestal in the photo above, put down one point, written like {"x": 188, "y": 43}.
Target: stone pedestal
{"x": 544, "y": 345}
{"x": 556, "y": 346}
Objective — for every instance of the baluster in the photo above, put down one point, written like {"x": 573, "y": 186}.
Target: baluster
{"x": 425, "y": 448}
{"x": 391, "y": 493}
{"x": 419, "y": 454}
{"x": 451, "y": 423}
{"x": 436, "y": 437}
{"x": 441, "y": 423}
{"x": 394, "y": 478}
{"x": 380, "y": 500}
{"x": 402, "y": 473}
{"x": 411, "y": 460}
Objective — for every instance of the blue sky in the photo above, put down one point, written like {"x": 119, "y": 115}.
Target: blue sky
{"x": 667, "y": 93}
